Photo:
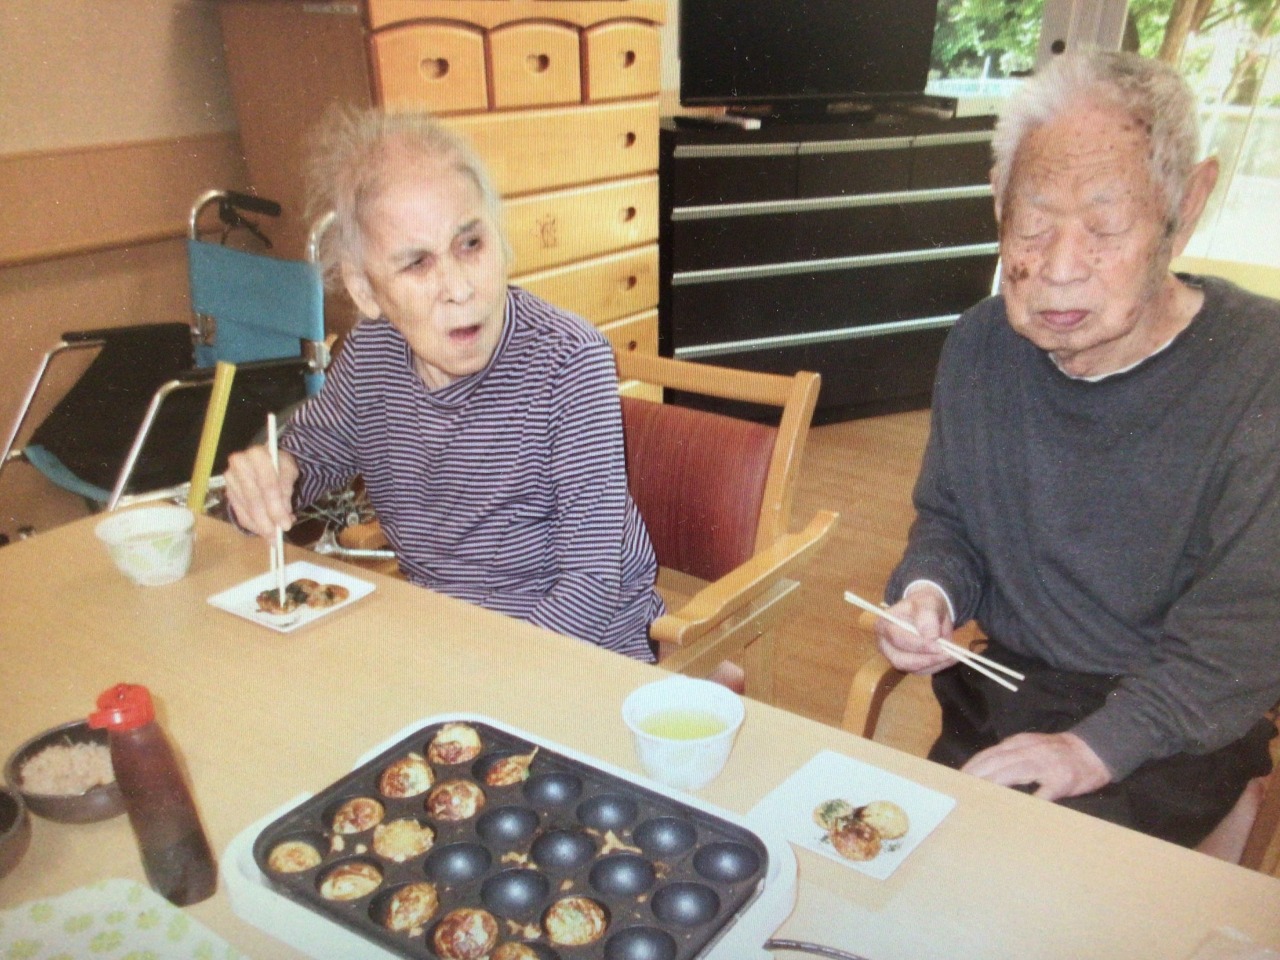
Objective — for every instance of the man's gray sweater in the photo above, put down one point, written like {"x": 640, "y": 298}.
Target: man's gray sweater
{"x": 1129, "y": 526}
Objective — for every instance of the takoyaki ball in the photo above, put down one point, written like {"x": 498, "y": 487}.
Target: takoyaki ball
{"x": 406, "y": 777}
{"x": 293, "y": 856}
{"x": 828, "y": 813}
{"x": 358, "y": 814}
{"x": 350, "y": 881}
{"x": 410, "y": 907}
{"x": 454, "y": 743}
{"x": 855, "y": 840}
{"x": 324, "y": 595}
{"x": 455, "y": 800}
{"x": 515, "y": 951}
{"x": 401, "y": 840}
{"x": 295, "y": 596}
{"x": 509, "y": 770}
{"x": 575, "y": 922}
{"x": 886, "y": 818}
{"x": 465, "y": 934}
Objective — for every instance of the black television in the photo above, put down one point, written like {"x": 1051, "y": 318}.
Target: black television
{"x": 803, "y": 55}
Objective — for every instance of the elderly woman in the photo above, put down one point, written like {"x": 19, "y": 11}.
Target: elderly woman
{"x": 484, "y": 421}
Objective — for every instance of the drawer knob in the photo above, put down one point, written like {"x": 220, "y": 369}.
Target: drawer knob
{"x": 627, "y": 59}
{"x": 628, "y": 282}
{"x": 627, "y": 214}
{"x": 434, "y": 68}
{"x": 537, "y": 62}
{"x": 628, "y": 140}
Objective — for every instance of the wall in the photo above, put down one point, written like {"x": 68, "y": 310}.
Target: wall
{"x": 116, "y": 115}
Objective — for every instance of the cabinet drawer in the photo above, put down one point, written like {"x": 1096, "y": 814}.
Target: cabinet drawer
{"x": 951, "y": 160}
{"x": 835, "y": 227}
{"x": 602, "y": 288}
{"x": 435, "y": 66}
{"x": 711, "y": 174}
{"x": 835, "y": 168}
{"x": 821, "y": 301}
{"x": 893, "y": 371}
{"x": 638, "y": 333}
{"x": 621, "y": 59}
{"x": 547, "y": 229}
{"x": 535, "y": 64}
{"x": 548, "y": 148}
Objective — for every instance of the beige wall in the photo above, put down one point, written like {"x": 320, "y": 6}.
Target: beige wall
{"x": 116, "y": 114}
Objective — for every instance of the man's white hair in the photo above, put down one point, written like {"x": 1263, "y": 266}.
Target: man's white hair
{"x": 1150, "y": 91}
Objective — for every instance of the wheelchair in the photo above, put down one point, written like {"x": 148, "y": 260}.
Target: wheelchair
{"x": 129, "y": 428}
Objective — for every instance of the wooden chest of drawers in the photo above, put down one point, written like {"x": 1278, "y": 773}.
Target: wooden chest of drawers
{"x": 560, "y": 98}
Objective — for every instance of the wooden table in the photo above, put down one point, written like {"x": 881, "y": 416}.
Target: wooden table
{"x": 262, "y": 717}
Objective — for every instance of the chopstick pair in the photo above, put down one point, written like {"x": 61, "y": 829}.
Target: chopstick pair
{"x": 976, "y": 661}
{"x": 277, "y": 544}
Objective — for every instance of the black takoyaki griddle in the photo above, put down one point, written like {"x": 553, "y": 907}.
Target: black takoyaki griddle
{"x": 671, "y": 877}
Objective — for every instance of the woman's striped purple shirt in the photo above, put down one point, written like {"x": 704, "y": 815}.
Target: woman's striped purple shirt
{"x": 506, "y": 488}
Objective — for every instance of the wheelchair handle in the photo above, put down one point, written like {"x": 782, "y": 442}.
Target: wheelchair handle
{"x": 229, "y": 201}
{"x": 252, "y": 204}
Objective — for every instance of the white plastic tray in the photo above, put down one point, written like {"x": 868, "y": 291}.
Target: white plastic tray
{"x": 254, "y": 901}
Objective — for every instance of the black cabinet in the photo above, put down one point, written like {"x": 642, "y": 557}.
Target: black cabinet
{"x": 847, "y": 248}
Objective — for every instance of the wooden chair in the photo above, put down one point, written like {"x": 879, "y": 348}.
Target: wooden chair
{"x": 877, "y": 678}
{"x": 716, "y": 493}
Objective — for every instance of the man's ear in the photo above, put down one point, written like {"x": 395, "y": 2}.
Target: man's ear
{"x": 995, "y": 192}
{"x": 360, "y": 290}
{"x": 1204, "y": 176}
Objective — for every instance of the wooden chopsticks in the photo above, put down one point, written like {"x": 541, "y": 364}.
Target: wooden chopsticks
{"x": 976, "y": 661}
{"x": 277, "y": 545}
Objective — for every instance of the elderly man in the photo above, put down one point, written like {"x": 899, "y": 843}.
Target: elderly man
{"x": 485, "y": 422}
{"x": 1101, "y": 487}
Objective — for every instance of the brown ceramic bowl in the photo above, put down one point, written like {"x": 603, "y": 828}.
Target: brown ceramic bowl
{"x": 15, "y": 829}
{"x": 97, "y": 803}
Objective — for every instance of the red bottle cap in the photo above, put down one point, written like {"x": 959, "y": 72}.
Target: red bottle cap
{"x": 126, "y": 706}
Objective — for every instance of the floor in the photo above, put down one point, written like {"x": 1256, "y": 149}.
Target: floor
{"x": 865, "y": 470}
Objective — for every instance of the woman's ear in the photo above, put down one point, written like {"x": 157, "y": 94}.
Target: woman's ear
{"x": 360, "y": 290}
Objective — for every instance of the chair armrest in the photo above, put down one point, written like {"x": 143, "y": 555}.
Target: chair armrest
{"x": 872, "y": 684}
{"x": 737, "y": 588}
{"x": 877, "y": 678}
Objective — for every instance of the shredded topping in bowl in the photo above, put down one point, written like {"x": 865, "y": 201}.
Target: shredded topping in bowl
{"x": 67, "y": 769}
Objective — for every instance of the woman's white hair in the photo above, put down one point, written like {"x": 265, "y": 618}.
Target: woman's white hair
{"x": 350, "y": 150}
{"x": 1150, "y": 91}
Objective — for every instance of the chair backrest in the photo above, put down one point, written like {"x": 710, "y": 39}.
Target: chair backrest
{"x": 262, "y": 308}
{"x": 713, "y": 489}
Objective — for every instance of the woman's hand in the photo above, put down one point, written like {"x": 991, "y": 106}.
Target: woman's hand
{"x": 926, "y": 608}
{"x": 261, "y": 498}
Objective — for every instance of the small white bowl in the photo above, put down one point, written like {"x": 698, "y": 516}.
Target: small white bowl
{"x": 151, "y": 545}
{"x": 683, "y": 729}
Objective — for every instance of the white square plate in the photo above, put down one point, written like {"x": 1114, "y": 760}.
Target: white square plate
{"x": 831, "y": 776}
{"x": 242, "y": 600}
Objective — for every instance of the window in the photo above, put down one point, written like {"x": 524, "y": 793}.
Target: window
{"x": 1227, "y": 49}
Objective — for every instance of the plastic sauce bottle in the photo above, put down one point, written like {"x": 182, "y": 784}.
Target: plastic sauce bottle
{"x": 175, "y": 851}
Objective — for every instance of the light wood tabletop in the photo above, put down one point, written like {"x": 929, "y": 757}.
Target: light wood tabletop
{"x": 261, "y": 717}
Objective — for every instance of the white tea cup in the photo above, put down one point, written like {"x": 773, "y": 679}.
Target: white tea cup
{"x": 683, "y": 729}
{"x": 150, "y": 545}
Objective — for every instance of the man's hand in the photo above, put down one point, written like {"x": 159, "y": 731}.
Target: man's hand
{"x": 927, "y": 609}
{"x": 261, "y": 498}
{"x": 1061, "y": 763}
